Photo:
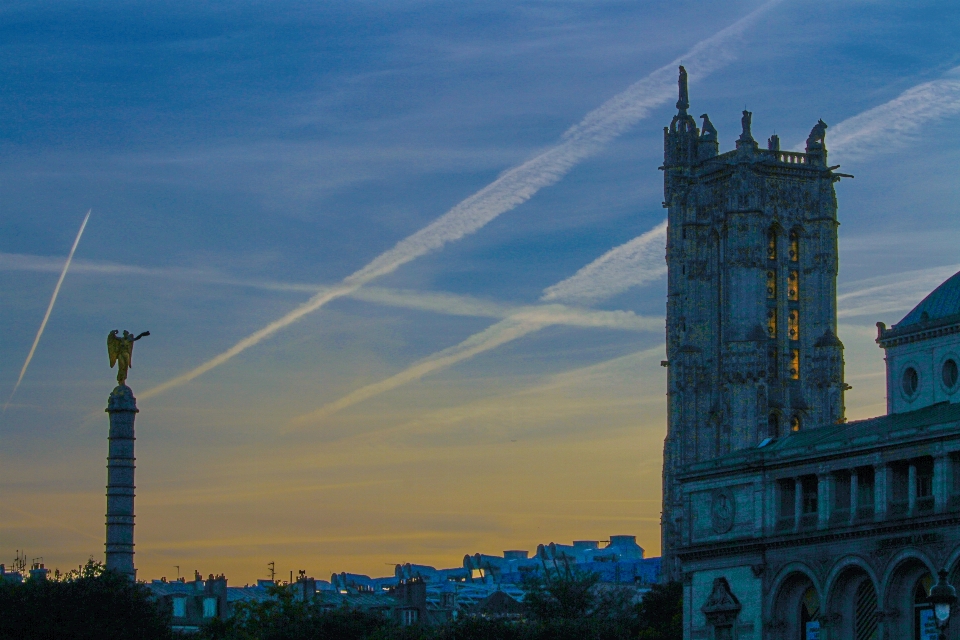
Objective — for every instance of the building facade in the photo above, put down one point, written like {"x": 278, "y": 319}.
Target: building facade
{"x": 782, "y": 519}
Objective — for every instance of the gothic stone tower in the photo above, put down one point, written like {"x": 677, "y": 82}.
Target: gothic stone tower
{"x": 751, "y": 303}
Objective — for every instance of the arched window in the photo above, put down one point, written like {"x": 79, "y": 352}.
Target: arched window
{"x": 924, "y": 623}
{"x": 773, "y": 424}
{"x": 795, "y": 422}
{"x": 865, "y": 611}
{"x": 810, "y": 614}
{"x": 795, "y": 364}
{"x": 794, "y": 247}
{"x": 771, "y": 245}
{"x": 793, "y": 286}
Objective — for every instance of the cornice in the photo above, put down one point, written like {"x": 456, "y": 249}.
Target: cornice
{"x": 758, "y": 545}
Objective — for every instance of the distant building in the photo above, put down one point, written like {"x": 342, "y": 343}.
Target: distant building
{"x": 783, "y": 520}
{"x": 485, "y": 585}
{"x": 191, "y": 604}
{"x": 463, "y": 590}
{"x": 10, "y": 576}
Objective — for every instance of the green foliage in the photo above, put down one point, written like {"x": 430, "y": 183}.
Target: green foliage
{"x": 285, "y": 618}
{"x": 91, "y": 569}
{"x": 558, "y": 607}
{"x": 661, "y": 612}
{"x": 91, "y": 604}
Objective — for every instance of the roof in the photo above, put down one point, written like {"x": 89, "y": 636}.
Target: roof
{"x": 943, "y": 302}
{"x": 935, "y": 420}
{"x": 497, "y": 602}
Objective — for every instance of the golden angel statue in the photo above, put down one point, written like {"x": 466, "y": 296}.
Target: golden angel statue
{"x": 120, "y": 350}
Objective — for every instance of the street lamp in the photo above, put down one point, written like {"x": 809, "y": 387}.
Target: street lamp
{"x": 942, "y": 596}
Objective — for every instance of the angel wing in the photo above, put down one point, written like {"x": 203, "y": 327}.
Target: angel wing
{"x": 114, "y": 345}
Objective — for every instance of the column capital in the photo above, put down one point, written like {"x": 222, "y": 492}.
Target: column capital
{"x": 121, "y": 399}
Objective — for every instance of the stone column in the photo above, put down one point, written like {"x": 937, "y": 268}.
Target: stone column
{"x": 797, "y": 503}
{"x": 854, "y": 495}
{"x": 824, "y": 499}
{"x": 122, "y": 407}
{"x": 912, "y": 489}
{"x": 942, "y": 483}
{"x": 881, "y": 486}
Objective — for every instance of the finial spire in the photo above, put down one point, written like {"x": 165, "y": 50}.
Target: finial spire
{"x": 684, "y": 102}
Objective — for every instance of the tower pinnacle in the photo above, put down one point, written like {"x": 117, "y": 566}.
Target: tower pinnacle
{"x": 684, "y": 102}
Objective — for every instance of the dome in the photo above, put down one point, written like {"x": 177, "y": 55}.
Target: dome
{"x": 942, "y": 303}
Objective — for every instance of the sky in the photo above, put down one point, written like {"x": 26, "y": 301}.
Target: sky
{"x": 402, "y": 261}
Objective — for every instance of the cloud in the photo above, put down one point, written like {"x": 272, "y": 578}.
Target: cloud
{"x": 518, "y": 184}
{"x": 634, "y": 263}
{"x": 897, "y": 122}
{"x": 890, "y": 293}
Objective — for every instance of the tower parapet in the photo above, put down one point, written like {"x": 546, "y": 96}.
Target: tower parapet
{"x": 751, "y": 296}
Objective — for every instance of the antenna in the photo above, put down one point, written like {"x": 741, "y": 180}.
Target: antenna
{"x": 273, "y": 573}
{"x": 177, "y": 567}
{"x": 20, "y": 561}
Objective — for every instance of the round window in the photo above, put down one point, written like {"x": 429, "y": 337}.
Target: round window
{"x": 911, "y": 380}
{"x": 950, "y": 373}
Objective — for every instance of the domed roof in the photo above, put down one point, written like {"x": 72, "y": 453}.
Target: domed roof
{"x": 943, "y": 302}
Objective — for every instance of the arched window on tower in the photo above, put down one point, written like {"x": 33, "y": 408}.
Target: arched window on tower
{"x": 794, "y": 247}
{"x": 771, "y": 245}
{"x": 795, "y": 422}
{"x": 773, "y": 425}
{"x": 793, "y": 286}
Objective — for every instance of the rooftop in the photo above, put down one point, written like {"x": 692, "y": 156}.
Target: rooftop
{"x": 938, "y": 419}
{"x": 942, "y": 303}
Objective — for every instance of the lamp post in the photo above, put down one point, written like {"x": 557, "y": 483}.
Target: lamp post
{"x": 942, "y": 596}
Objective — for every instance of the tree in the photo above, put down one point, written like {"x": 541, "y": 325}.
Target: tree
{"x": 89, "y": 604}
{"x": 661, "y": 612}
{"x": 283, "y": 617}
{"x": 573, "y": 604}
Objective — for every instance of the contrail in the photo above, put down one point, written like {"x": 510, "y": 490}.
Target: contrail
{"x": 641, "y": 259}
{"x": 436, "y": 302}
{"x": 501, "y": 333}
{"x": 621, "y": 268}
{"x": 519, "y": 184}
{"x": 46, "y": 316}
{"x": 645, "y": 257}
{"x": 890, "y": 293}
{"x": 895, "y": 122}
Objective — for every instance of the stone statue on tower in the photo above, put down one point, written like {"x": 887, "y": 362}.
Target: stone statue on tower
{"x": 120, "y": 350}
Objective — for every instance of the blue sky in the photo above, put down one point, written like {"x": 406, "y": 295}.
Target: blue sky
{"x": 239, "y": 157}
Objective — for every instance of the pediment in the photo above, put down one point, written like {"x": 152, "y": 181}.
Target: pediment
{"x": 721, "y": 599}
